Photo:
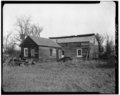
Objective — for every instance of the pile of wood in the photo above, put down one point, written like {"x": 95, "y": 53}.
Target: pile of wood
{"x": 18, "y": 61}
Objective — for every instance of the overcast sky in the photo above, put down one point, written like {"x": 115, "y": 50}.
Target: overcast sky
{"x": 63, "y": 19}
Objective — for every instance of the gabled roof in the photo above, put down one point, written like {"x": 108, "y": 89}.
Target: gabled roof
{"x": 44, "y": 41}
{"x": 77, "y": 38}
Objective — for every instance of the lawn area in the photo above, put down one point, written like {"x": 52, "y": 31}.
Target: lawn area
{"x": 58, "y": 77}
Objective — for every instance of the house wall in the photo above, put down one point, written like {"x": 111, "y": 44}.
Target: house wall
{"x": 28, "y": 43}
{"x": 44, "y": 53}
{"x": 88, "y": 44}
{"x": 93, "y": 48}
{"x": 40, "y": 51}
{"x": 89, "y": 48}
{"x": 70, "y": 49}
{"x": 93, "y": 51}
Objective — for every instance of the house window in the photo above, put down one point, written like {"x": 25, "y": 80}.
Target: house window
{"x": 50, "y": 52}
{"x": 25, "y": 52}
{"x": 32, "y": 52}
{"x": 62, "y": 52}
{"x": 79, "y": 52}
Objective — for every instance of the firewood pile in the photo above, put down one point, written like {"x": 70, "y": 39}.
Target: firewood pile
{"x": 19, "y": 61}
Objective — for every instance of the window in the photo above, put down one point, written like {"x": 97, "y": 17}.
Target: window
{"x": 62, "y": 52}
{"x": 79, "y": 52}
{"x": 25, "y": 52}
{"x": 59, "y": 53}
{"x": 50, "y": 52}
{"x": 54, "y": 51}
{"x": 32, "y": 52}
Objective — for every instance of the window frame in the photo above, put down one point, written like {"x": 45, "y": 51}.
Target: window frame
{"x": 32, "y": 52}
{"x": 25, "y": 55}
{"x": 63, "y": 53}
{"x": 51, "y": 51}
{"x": 81, "y": 52}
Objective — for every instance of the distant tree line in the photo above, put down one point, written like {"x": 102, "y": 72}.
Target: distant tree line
{"x": 107, "y": 51}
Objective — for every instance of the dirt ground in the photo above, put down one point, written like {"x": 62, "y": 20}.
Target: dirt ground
{"x": 57, "y": 77}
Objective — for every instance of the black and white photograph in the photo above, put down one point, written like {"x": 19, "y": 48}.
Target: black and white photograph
{"x": 59, "y": 47}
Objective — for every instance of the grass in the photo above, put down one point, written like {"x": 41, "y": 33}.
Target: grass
{"x": 56, "y": 77}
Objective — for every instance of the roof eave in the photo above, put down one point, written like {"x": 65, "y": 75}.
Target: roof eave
{"x": 49, "y": 46}
{"x": 84, "y": 35}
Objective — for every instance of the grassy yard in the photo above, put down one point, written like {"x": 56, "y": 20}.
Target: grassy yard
{"x": 56, "y": 77}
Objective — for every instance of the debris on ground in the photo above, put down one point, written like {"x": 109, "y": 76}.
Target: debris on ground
{"x": 16, "y": 61}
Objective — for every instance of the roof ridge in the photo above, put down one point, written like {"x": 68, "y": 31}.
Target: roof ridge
{"x": 83, "y": 35}
{"x": 37, "y": 36}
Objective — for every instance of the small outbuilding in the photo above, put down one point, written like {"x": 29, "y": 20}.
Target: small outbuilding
{"x": 40, "y": 48}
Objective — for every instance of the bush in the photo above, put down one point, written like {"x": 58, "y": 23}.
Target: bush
{"x": 110, "y": 61}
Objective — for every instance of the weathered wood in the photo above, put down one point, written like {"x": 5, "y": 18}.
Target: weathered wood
{"x": 70, "y": 49}
{"x": 30, "y": 44}
{"x": 41, "y": 52}
{"x": 70, "y": 44}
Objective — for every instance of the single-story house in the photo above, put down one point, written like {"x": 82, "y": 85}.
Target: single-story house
{"x": 79, "y": 46}
{"x": 38, "y": 47}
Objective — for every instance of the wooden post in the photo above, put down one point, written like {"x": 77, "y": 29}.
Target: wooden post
{"x": 87, "y": 55}
{"x": 57, "y": 53}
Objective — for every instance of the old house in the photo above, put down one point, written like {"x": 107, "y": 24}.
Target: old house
{"x": 38, "y": 47}
{"x": 79, "y": 46}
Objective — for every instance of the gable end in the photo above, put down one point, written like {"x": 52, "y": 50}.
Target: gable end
{"x": 28, "y": 40}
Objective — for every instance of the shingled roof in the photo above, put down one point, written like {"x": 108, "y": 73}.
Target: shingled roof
{"x": 44, "y": 42}
{"x": 83, "y": 35}
{"x": 77, "y": 38}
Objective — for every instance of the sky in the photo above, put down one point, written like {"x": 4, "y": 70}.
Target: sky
{"x": 63, "y": 19}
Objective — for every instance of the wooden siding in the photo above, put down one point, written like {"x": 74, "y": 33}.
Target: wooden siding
{"x": 89, "y": 48}
{"x": 70, "y": 45}
{"x": 44, "y": 53}
{"x": 70, "y": 49}
{"x": 93, "y": 51}
{"x": 74, "y": 39}
{"x": 41, "y": 52}
{"x": 28, "y": 43}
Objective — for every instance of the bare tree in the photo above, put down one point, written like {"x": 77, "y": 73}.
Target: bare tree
{"x": 36, "y": 30}
{"x": 8, "y": 44}
{"x": 24, "y": 28}
{"x": 109, "y": 46}
{"x": 5, "y": 41}
{"x": 100, "y": 39}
